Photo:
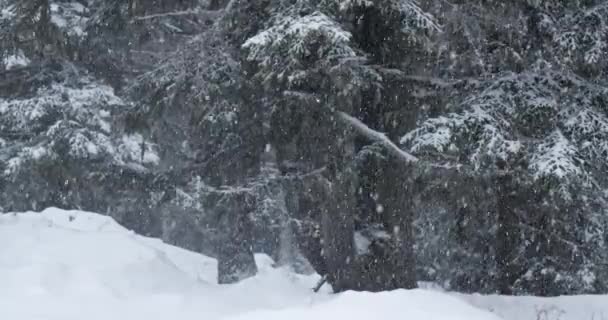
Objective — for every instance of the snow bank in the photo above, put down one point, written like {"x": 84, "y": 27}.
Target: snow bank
{"x": 583, "y": 307}
{"x": 401, "y": 304}
{"x": 64, "y": 265}
{"x": 73, "y": 265}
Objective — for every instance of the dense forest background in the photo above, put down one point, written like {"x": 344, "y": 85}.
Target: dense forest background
{"x": 376, "y": 142}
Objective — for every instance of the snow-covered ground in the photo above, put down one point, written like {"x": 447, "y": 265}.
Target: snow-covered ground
{"x": 72, "y": 265}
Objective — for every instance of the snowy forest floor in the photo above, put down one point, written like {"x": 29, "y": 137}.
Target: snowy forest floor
{"x": 72, "y": 265}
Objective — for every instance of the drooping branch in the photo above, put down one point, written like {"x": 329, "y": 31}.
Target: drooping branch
{"x": 379, "y": 137}
{"x": 208, "y": 13}
{"x": 371, "y": 134}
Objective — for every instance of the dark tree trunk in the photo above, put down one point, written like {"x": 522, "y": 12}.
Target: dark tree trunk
{"x": 337, "y": 230}
{"x": 235, "y": 253}
{"x": 506, "y": 237}
{"x": 398, "y": 219}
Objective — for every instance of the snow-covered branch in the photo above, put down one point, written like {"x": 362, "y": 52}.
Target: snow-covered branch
{"x": 209, "y": 13}
{"x": 390, "y": 146}
{"x": 374, "y": 135}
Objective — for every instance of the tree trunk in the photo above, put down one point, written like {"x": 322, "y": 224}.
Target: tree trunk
{"x": 337, "y": 229}
{"x": 399, "y": 220}
{"x": 337, "y": 217}
{"x": 506, "y": 237}
{"x": 235, "y": 253}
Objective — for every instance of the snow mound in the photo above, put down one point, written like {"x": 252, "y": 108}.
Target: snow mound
{"x": 581, "y": 307}
{"x": 400, "y": 304}
{"x": 73, "y": 265}
{"x": 57, "y": 251}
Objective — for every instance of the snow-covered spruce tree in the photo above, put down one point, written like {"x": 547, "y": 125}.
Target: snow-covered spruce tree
{"x": 393, "y": 36}
{"x": 61, "y": 127}
{"x": 454, "y": 232}
{"x": 39, "y": 29}
{"x": 580, "y": 36}
{"x": 26, "y": 27}
{"x": 198, "y": 106}
{"x": 62, "y": 137}
{"x": 127, "y": 38}
{"x": 538, "y": 135}
{"x": 316, "y": 59}
{"x": 483, "y": 41}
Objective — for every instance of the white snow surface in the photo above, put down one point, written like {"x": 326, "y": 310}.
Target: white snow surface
{"x": 74, "y": 265}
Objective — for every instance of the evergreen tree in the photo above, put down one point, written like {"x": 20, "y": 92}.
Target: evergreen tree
{"x": 60, "y": 126}
{"x": 58, "y": 139}
{"x": 317, "y": 59}
{"x": 519, "y": 128}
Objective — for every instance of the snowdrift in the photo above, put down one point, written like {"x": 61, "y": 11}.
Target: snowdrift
{"x": 73, "y": 265}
